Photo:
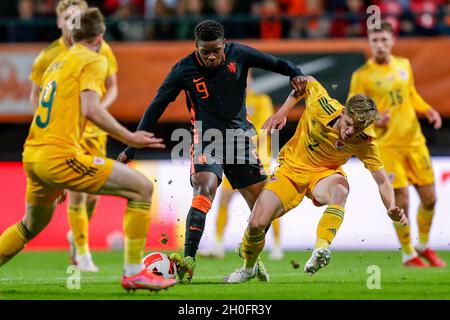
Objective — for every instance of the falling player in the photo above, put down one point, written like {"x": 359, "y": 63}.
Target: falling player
{"x": 389, "y": 81}
{"x": 327, "y": 135}
{"x": 214, "y": 80}
{"x": 81, "y": 205}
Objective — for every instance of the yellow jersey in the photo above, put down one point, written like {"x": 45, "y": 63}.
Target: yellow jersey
{"x": 45, "y": 58}
{"x": 259, "y": 109}
{"x": 316, "y": 144}
{"x": 58, "y": 122}
{"x": 392, "y": 88}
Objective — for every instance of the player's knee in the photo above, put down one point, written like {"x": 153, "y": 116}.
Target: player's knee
{"x": 92, "y": 198}
{"x": 76, "y": 198}
{"x": 339, "y": 194}
{"x": 144, "y": 190}
{"x": 429, "y": 202}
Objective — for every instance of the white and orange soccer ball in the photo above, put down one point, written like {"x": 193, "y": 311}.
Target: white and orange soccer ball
{"x": 160, "y": 263}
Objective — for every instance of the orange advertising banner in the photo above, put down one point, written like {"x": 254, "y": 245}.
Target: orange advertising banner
{"x": 143, "y": 66}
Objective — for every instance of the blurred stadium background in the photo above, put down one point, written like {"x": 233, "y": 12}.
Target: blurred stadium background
{"x": 325, "y": 38}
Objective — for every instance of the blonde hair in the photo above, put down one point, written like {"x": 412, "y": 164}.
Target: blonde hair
{"x": 91, "y": 25}
{"x": 362, "y": 109}
{"x": 63, "y": 5}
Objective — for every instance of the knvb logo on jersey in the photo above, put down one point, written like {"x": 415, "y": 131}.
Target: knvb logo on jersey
{"x": 232, "y": 67}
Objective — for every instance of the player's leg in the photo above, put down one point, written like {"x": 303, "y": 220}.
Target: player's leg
{"x": 78, "y": 234}
{"x": 222, "y": 218}
{"x": 425, "y": 214}
{"x": 14, "y": 238}
{"x": 267, "y": 208}
{"x": 332, "y": 191}
{"x": 130, "y": 184}
{"x": 276, "y": 253}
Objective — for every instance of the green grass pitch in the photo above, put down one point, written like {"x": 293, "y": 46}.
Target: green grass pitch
{"x": 43, "y": 275}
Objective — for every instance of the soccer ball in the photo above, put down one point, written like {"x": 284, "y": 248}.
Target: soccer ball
{"x": 161, "y": 264}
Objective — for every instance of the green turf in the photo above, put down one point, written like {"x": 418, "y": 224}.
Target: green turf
{"x": 42, "y": 275}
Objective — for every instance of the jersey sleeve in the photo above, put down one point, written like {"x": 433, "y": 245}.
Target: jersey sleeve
{"x": 93, "y": 76}
{"x": 111, "y": 58}
{"x": 416, "y": 100}
{"x": 369, "y": 154}
{"x": 40, "y": 64}
{"x": 167, "y": 93}
{"x": 257, "y": 59}
{"x": 320, "y": 105}
{"x": 356, "y": 85}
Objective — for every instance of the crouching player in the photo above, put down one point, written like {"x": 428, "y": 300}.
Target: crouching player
{"x": 327, "y": 135}
{"x": 53, "y": 159}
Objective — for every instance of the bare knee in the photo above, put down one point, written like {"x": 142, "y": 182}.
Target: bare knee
{"x": 429, "y": 202}
{"x": 143, "y": 191}
{"x": 339, "y": 194}
{"x": 91, "y": 198}
{"x": 258, "y": 220}
{"x": 205, "y": 186}
{"x": 76, "y": 198}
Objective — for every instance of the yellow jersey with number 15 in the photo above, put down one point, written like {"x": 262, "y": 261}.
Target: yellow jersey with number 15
{"x": 58, "y": 122}
{"x": 317, "y": 145}
{"x": 392, "y": 88}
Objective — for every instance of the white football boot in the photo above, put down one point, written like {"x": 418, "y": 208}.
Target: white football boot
{"x": 320, "y": 257}
{"x": 276, "y": 253}
{"x": 241, "y": 275}
{"x": 85, "y": 263}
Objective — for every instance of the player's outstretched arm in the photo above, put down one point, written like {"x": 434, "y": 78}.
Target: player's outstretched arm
{"x": 111, "y": 93}
{"x": 90, "y": 106}
{"x": 388, "y": 198}
{"x": 278, "y": 119}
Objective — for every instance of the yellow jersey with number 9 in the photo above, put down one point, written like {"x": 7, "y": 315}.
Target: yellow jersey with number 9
{"x": 392, "y": 88}
{"x": 58, "y": 122}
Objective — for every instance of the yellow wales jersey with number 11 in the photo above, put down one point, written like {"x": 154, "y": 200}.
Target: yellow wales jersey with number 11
{"x": 316, "y": 144}
{"x": 58, "y": 123}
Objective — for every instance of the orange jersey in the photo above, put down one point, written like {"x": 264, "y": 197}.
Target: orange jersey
{"x": 316, "y": 144}
{"x": 392, "y": 88}
{"x": 58, "y": 123}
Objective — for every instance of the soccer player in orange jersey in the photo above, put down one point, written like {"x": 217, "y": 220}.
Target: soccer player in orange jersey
{"x": 327, "y": 135}
{"x": 389, "y": 80}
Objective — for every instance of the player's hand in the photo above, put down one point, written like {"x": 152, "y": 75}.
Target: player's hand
{"x": 434, "y": 118}
{"x": 144, "y": 139}
{"x": 275, "y": 121}
{"x": 298, "y": 83}
{"x": 383, "y": 119}
{"x": 62, "y": 198}
{"x": 123, "y": 157}
{"x": 398, "y": 214}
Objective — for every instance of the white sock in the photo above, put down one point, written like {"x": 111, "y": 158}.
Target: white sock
{"x": 406, "y": 257}
{"x": 132, "y": 269}
{"x": 422, "y": 246}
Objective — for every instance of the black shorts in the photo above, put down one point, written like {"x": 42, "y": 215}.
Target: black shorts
{"x": 241, "y": 166}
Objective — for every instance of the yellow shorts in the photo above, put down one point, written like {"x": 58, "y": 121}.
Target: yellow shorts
{"x": 46, "y": 181}
{"x": 95, "y": 146}
{"x": 291, "y": 187}
{"x": 408, "y": 166}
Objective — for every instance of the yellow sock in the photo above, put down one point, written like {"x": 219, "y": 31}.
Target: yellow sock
{"x": 276, "y": 231}
{"x": 424, "y": 220}
{"x": 329, "y": 225}
{"x": 79, "y": 224}
{"x": 403, "y": 234}
{"x": 252, "y": 245}
{"x": 221, "y": 222}
{"x": 13, "y": 240}
{"x": 136, "y": 226}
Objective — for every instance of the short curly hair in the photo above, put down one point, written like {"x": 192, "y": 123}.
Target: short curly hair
{"x": 362, "y": 109}
{"x": 209, "y": 30}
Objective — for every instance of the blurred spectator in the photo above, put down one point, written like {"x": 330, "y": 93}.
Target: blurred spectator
{"x": 313, "y": 22}
{"x": 24, "y": 30}
{"x": 223, "y": 12}
{"x": 270, "y": 24}
{"x": 425, "y": 13}
{"x": 151, "y": 7}
{"x": 189, "y": 13}
{"x": 124, "y": 23}
{"x": 162, "y": 27}
{"x": 350, "y": 20}
{"x": 391, "y": 11}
